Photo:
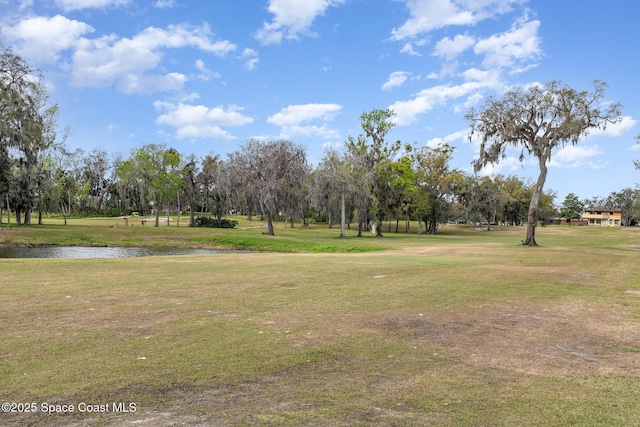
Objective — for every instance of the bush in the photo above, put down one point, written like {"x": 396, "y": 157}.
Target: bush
{"x": 211, "y": 222}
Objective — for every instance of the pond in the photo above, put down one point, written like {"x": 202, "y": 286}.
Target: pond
{"x": 102, "y": 252}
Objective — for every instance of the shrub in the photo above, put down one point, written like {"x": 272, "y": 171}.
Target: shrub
{"x": 211, "y": 222}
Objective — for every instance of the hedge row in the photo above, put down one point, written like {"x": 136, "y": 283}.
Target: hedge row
{"x": 208, "y": 221}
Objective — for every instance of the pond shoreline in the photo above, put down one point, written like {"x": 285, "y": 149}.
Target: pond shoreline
{"x": 79, "y": 251}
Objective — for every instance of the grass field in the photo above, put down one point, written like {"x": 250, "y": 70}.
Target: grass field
{"x": 466, "y": 328}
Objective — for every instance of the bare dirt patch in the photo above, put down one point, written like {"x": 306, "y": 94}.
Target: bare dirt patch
{"x": 550, "y": 339}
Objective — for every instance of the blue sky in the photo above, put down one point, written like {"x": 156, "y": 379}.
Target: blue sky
{"x": 205, "y": 76}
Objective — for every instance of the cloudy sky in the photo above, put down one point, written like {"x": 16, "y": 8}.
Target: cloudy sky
{"x": 204, "y": 76}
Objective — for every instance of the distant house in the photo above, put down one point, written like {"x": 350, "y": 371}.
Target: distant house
{"x": 603, "y": 216}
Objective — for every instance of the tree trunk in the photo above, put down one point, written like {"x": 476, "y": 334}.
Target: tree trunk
{"x": 178, "y": 223}
{"x": 432, "y": 225}
{"x": 157, "y": 223}
{"x": 433, "y": 228}
{"x": 101, "y": 199}
{"x": 533, "y": 207}
{"x": 374, "y": 228}
{"x": 342, "y": 215}
{"x": 68, "y": 211}
{"x": 531, "y": 232}
{"x": 8, "y": 213}
{"x": 205, "y": 206}
{"x": 419, "y": 226}
{"x": 270, "y": 231}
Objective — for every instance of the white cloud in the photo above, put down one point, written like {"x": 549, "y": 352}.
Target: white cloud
{"x": 188, "y": 97}
{"x": 291, "y": 18}
{"x": 474, "y": 74}
{"x": 199, "y": 121}
{"x": 68, "y": 5}
{"x": 148, "y": 84}
{"x": 512, "y": 48}
{"x": 449, "y": 49}
{"x": 397, "y": 78}
{"x": 296, "y": 114}
{"x": 471, "y": 101}
{"x": 164, "y": 4}
{"x": 429, "y": 15}
{"x": 409, "y": 47}
{"x": 615, "y": 129}
{"x": 250, "y": 56}
{"x": 460, "y": 135}
{"x": 574, "y": 156}
{"x": 291, "y": 118}
{"x": 43, "y": 38}
{"x": 103, "y": 61}
{"x": 176, "y": 36}
{"x": 205, "y": 73}
{"x": 309, "y": 131}
{"x": 251, "y": 63}
{"x": 427, "y": 99}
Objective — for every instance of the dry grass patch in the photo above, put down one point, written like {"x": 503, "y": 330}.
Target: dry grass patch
{"x": 545, "y": 339}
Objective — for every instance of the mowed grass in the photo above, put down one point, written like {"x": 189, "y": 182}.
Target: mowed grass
{"x": 249, "y": 235}
{"x": 463, "y": 328}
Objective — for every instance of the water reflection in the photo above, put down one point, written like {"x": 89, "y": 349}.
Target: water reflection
{"x": 102, "y": 252}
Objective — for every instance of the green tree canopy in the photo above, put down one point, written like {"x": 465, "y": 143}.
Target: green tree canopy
{"x": 571, "y": 207}
{"x": 373, "y": 154}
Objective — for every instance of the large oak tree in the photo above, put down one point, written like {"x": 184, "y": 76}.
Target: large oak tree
{"x": 271, "y": 174}
{"x": 28, "y": 127}
{"x": 537, "y": 121}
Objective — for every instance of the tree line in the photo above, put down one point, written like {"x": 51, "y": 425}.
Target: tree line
{"x": 372, "y": 183}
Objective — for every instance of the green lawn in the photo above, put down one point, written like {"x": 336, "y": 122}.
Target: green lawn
{"x": 465, "y": 328}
